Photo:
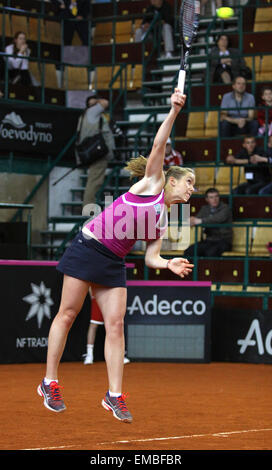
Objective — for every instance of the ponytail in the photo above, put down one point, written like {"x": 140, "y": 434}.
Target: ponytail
{"x": 136, "y": 167}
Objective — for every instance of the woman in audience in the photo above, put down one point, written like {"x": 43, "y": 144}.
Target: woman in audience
{"x": 18, "y": 65}
{"x": 226, "y": 62}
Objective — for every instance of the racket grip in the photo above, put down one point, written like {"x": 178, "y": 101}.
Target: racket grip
{"x": 181, "y": 81}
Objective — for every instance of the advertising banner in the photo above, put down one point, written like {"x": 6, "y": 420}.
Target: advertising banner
{"x": 168, "y": 320}
{"x": 30, "y": 297}
{"x": 31, "y": 129}
{"x": 242, "y": 336}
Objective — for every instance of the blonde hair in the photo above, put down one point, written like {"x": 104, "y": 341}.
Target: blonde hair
{"x": 136, "y": 167}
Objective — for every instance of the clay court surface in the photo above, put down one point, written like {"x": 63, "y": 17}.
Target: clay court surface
{"x": 216, "y": 406}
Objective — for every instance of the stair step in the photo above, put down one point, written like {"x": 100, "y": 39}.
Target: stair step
{"x": 77, "y": 190}
{"x": 156, "y": 95}
{"x": 68, "y": 218}
{"x": 158, "y": 83}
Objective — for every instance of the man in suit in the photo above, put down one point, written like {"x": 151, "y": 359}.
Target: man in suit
{"x": 73, "y": 10}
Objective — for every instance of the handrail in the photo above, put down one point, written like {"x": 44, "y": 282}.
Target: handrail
{"x": 46, "y": 174}
{"x": 142, "y": 128}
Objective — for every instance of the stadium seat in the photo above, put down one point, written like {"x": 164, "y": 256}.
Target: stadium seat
{"x": 8, "y": 31}
{"x": 231, "y": 287}
{"x": 261, "y": 236}
{"x": 222, "y": 180}
{"x": 136, "y": 77}
{"x": 35, "y": 70}
{"x": 204, "y": 178}
{"x": 103, "y": 76}
{"x": 265, "y": 69}
{"x": 123, "y": 79}
{"x": 258, "y": 289}
{"x": 123, "y": 31}
{"x": 211, "y": 127}
{"x": 19, "y": 23}
{"x": 102, "y": 33}
{"x": 263, "y": 20}
{"x": 76, "y": 78}
{"x": 195, "y": 125}
{"x": 50, "y": 76}
{"x": 51, "y": 32}
{"x": 239, "y": 241}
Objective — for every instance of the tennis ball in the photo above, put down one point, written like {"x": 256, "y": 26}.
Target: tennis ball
{"x": 225, "y": 12}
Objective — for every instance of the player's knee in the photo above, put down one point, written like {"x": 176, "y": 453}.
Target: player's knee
{"x": 68, "y": 316}
{"x": 115, "y": 326}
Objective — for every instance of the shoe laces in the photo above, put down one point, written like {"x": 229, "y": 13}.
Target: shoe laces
{"x": 121, "y": 401}
{"x": 55, "y": 391}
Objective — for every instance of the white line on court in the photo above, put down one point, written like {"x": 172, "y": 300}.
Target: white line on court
{"x": 51, "y": 448}
{"x": 190, "y": 436}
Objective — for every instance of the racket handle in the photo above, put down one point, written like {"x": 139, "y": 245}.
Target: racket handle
{"x": 181, "y": 81}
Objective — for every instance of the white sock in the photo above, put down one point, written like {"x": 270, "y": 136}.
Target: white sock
{"x": 112, "y": 394}
{"x": 48, "y": 381}
{"x": 90, "y": 349}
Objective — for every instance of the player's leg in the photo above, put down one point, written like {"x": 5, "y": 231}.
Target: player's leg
{"x": 112, "y": 302}
{"x": 74, "y": 292}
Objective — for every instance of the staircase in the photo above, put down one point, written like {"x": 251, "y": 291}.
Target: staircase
{"x": 63, "y": 227}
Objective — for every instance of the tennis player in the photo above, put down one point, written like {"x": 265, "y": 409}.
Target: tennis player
{"x": 96, "y": 259}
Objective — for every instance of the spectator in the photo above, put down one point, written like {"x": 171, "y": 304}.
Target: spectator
{"x": 165, "y": 9}
{"x": 257, "y": 176}
{"x": 226, "y": 62}
{"x": 18, "y": 65}
{"x": 217, "y": 239}
{"x": 238, "y": 120}
{"x": 256, "y": 159}
{"x": 73, "y": 10}
{"x": 95, "y": 108}
{"x": 172, "y": 157}
{"x": 266, "y": 95}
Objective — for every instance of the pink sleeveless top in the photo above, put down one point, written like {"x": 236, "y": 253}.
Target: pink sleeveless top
{"x": 128, "y": 219}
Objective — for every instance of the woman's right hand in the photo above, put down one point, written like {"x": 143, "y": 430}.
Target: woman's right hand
{"x": 177, "y": 100}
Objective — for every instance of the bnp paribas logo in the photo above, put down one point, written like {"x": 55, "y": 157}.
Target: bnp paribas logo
{"x": 40, "y": 302}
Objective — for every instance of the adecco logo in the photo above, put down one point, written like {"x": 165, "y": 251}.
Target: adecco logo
{"x": 263, "y": 344}
{"x": 164, "y": 307}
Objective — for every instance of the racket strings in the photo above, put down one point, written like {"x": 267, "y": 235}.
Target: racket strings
{"x": 189, "y": 21}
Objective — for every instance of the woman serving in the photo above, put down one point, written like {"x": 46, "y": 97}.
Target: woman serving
{"x": 96, "y": 259}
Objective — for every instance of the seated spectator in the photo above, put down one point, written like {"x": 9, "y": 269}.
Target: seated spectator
{"x": 255, "y": 159}
{"x": 217, "y": 239}
{"x": 73, "y": 10}
{"x": 167, "y": 17}
{"x": 266, "y": 96}
{"x": 172, "y": 157}
{"x": 257, "y": 176}
{"x": 238, "y": 121}
{"x": 226, "y": 62}
{"x": 18, "y": 65}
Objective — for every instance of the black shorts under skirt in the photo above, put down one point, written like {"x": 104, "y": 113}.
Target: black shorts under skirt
{"x": 90, "y": 260}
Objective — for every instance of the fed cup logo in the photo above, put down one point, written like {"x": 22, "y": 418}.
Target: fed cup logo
{"x": 40, "y": 302}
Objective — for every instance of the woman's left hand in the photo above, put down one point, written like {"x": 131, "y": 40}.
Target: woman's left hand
{"x": 180, "y": 266}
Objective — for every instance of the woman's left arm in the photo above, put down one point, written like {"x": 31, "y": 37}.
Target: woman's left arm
{"x": 153, "y": 259}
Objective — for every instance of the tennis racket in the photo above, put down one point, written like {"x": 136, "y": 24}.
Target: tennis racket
{"x": 188, "y": 24}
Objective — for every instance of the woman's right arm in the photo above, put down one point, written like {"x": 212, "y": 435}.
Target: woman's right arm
{"x": 154, "y": 166}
